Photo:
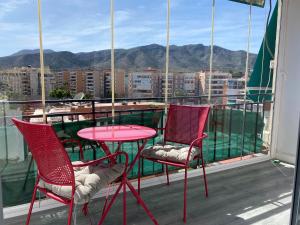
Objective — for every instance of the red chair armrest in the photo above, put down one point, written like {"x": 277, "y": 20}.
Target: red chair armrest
{"x": 194, "y": 142}
{"x": 112, "y": 157}
{"x": 76, "y": 142}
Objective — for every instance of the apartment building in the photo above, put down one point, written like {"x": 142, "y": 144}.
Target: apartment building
{"x": 50, "y": 83}
{"x": 62, "y": 79}
{"x": 218, "y": 80}
{"x": 77, "y": 82}
{"x": 26, "y": 81}
{"x": 190, "y": 84}
{"x": 119, "y": 83}
{"x": 180, "y": 84}
{"x": 234, "y": 86}
{"x": 152, "y": 83}
{"x": 93, "y": 83}
{"x": 96, "y": 83}
{"x": 144, "y": 84}
{"x": 22, "y": 81}
{"x": 171, "y": 84}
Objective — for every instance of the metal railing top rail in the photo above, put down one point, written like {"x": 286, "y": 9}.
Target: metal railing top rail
{"x": 89, "y": 113}
{"x": 108, "y": 100}
{"x": 130, "y": 110}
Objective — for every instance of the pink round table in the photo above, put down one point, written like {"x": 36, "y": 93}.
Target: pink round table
{"x": 117, "y": 133}
{"x": 121, "y": 134}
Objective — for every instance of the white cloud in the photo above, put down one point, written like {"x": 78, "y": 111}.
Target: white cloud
{"x": 8, "y": 6}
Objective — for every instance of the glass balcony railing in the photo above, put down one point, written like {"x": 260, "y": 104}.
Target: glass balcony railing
{"x": 227, "y": 137}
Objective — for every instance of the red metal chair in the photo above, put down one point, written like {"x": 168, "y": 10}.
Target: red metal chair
{"x": 185, "y": 125}
{"x": 55, "y": 167}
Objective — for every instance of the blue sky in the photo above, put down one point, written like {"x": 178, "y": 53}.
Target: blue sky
{"x": 83, "y": 25}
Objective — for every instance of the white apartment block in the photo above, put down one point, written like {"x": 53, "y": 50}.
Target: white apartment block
{"x": 152, "y": 83}
{"x": 234, "y": 86}
{"x": 144, "y": 84}
{"x": 191, "y": 84}
{"x": 218, "y": 81}
{"x": 20, "y": 81}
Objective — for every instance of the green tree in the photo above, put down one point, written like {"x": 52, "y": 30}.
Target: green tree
{"x": 179, "y": 93}
{"x": 88, "y": 96}
{"x": 60, "y": 93}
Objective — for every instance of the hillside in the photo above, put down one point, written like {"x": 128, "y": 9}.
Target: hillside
{"x": 183, "y": 58}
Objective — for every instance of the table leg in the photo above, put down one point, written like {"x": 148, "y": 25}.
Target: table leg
{"x": 141, "y": 202}
{"x": 105, "y": 212}
{"x": 105, "y": 148}
{"x": 127, "y": 182}
{"x": 137, "y": 156}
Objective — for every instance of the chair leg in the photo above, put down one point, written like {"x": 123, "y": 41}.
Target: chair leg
{"x": 70, "y": 213}
{"x": 31, "y": 205}
{"x": 204, "y": 177}
{"x": 184, "y": 197}
{"x": 124, "y": 203}
{"x": 104, "y": 214}
{"x": 167, "y": 173}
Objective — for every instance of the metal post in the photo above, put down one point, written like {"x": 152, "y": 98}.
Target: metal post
{"x": 1, "y": 203}
{"x": 215, "y": 118}
{"x": 42, "y": 68}
{"x": 230, "y": 127}
{"x": 167, "y": 56}
{"x": 112, "y": 52}
{"x": 246, "y": 78}
{"x": 93, "y": 111}
{"x": 256, "y": 128}
{"x": 5, "y": 132}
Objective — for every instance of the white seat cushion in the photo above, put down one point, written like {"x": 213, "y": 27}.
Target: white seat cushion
{"x": 169, "y": 152}
{"x": 88, "y": 181}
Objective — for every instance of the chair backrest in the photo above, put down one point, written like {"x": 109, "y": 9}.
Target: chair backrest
{"x": 52, "y": 160}
{"x": 185, "y": 123}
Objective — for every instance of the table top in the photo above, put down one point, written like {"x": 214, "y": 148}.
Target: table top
{"x": 117, "y": 133}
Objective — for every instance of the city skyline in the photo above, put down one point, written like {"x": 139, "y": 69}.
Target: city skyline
{"x": 85, "y": 27}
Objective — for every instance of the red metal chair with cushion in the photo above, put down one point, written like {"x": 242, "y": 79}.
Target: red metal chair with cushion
{"x": 185, "y": 125}
{"x": 63, "y": 181}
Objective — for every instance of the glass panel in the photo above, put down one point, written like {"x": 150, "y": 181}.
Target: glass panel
{"x": 295, "y": 218}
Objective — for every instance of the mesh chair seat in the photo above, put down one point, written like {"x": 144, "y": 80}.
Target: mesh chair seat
{"x": 170, "y": 153}
{"x": 88, "y": 181}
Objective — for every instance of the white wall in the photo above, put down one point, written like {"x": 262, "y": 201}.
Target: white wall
{"x": 287, "y": 93}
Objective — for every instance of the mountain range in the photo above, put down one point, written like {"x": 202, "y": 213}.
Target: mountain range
{"x": 192, "y": 57}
